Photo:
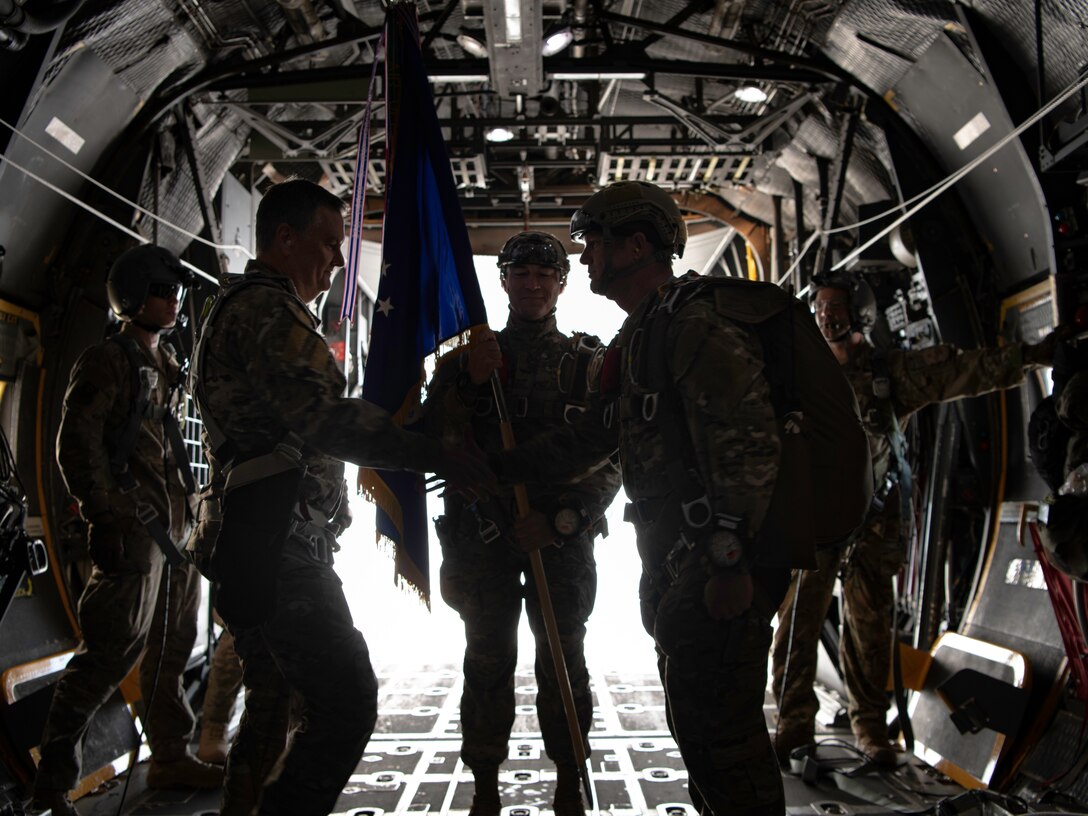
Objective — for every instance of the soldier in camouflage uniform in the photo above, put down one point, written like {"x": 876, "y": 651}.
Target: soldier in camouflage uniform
{"x": 268, "y": 387}
{"x": 705, "y": 603}
{"x": 889, "y": 387}
{"x": 122, "y": 396}
{"x": 482, "y": 566}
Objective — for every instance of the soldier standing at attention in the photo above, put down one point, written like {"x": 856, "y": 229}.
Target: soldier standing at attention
{"x": 706, "y": 443}
{"x": 278, "y": 432}
{"x": 890, "y": 386}
{"x": 121, "y": 455}
{"x": 483, "y": 565}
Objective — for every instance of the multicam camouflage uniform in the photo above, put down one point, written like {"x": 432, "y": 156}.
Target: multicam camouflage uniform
{"x": 121, "y": 610}
{"x": 482, "y": 569}
{"x": 915, "y": 379}
{"x": 267, "y": 372}
{"x": 714, "y": 672}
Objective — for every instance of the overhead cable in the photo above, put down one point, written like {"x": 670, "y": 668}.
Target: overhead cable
{"x": 100, "y": 214}
{"x": 939, "y": 188}
{"x": 121, "y": 198}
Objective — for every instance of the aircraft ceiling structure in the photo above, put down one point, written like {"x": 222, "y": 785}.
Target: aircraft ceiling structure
{"x": 274, "y": 88}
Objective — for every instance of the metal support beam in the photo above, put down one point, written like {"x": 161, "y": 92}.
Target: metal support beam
{"x": 201, "y": 191}
{"x": 824, "y": 70}
{"x": 610, "y": 62}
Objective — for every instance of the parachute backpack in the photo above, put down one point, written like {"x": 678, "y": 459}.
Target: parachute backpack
{"x": 825, "y": 480}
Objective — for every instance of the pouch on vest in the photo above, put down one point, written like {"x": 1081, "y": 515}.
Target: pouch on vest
{"x": 246, "y": 560}
{"x": 209, "y": 521}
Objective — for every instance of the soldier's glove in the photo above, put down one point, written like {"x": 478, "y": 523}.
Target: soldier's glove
{"x": 533, "y": 532}
{"x": 484, "y": 357}
{"x": 106, "y": 541}
{"x": 1042, "y": 353}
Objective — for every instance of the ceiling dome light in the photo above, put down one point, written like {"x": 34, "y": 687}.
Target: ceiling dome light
{"x": 499, "y": 134}
{"x": 557, "y": 41}
{"x": 471, "y": 46}
{"x": 750, "y": 93}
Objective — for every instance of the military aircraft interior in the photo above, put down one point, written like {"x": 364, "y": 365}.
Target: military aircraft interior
{"x": 936, "y": 150}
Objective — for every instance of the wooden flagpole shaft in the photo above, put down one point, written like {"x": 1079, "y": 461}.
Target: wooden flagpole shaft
{"x": 547, "y": 612}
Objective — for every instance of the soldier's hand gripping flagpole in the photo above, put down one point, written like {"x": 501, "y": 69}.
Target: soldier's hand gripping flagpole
{"x": 521, "y": 496}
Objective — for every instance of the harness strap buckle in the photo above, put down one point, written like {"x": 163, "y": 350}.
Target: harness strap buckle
{"x": 649, "y": 406}
{"x": 572, "y": 412}
{"x": 489, "y": 530}
{"x": 146, "y": 513}
{"x": 671, "y": 564}
{"x": 697, "y": 512}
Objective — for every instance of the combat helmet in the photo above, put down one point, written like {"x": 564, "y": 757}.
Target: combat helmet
{"x": 538, "y": 248}
{"x": 136, "y": 272}
{"x": 862, "y": 297}
{"x": 629, "y": 203}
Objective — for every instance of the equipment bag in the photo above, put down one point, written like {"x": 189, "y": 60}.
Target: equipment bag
{"x": 825, "y": 482}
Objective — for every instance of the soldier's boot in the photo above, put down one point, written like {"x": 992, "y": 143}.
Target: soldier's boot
{"x": 568, "y": 792}
{"x": 56, "y": 802}
{"x": 214, "y": 745}
{"x": 872, "y": 740}
{"x": 184, "y": 772}
{"x": 485, "y": 797}
{"x": 791, "y": 737}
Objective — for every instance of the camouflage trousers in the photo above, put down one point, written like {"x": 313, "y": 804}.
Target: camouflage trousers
{"x": 309, "y": 648}
{"x": 866, "y": 640}
{"x": 224, "y": 681}
{"x": 482, "y": 582}
{"x": 715, "y": 678}
{"x": 120, "y": 613}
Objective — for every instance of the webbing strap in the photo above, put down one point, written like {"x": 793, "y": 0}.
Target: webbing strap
{"x": 287, "y": 455}
{"x": 181, "y": 456}
{"x": 663, "y": 406}
{"x": 154, "y": 526}
{"x": 897, "y": 442}
{"x": 149, "y": 518}
{"x": 123, "y": 442}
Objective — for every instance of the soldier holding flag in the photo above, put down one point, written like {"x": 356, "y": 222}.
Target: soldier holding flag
{"x": 545, "y": 384}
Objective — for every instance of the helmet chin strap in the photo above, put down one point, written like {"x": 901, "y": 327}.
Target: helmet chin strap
{"x": 847, "y": 330}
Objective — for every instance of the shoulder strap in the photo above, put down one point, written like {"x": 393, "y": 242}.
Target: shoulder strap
{"x": 123, "y": 441}
{"x": 897, "y": 442}
{"x": 662, "y": 405}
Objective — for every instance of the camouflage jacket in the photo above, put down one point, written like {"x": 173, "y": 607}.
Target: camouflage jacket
{"x": 266, "y": 371}
{"x": 97, "y": 404}
{"x": 716, "y": 369}
{"x": 545, "y": 387}
{"x": 921, "y": 377}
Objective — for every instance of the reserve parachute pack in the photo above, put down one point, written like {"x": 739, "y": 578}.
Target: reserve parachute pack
{"x": 825, "y": 482}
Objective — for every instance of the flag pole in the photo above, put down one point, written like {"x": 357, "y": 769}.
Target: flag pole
{"x": 547, "y": 612}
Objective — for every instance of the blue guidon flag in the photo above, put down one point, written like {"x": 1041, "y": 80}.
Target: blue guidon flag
{"x": 428, "y": 293}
